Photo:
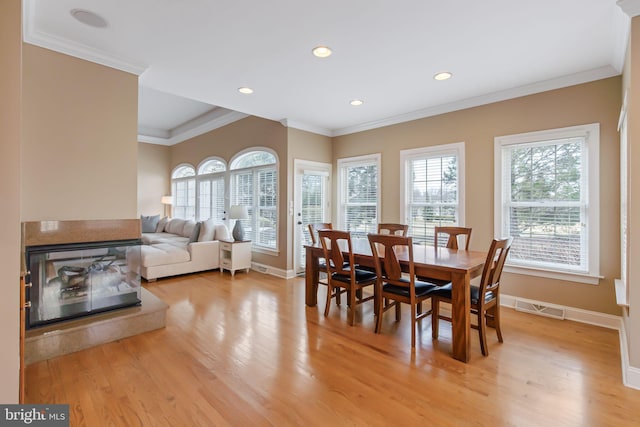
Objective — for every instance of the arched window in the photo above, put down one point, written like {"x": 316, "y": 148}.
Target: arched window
{"x": 254, "y": 184}
{"x": 183, "y": 189}
{"x": 211, "y": 180}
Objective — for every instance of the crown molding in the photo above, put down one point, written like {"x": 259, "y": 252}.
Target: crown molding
{"x": 78, "y": 50}
{"x": 206, "y": 123}
{"x": 154, "y": 132}
{"x": 288, "y": 123}
{"x": 630, "y": 7}
{"x": 621, "y": 29}
{"x": 557, "y": 83}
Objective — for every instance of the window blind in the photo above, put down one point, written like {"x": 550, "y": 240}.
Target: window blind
{"x": 545, "y": 203}
{"x": 432, "y": 194}
{"x": 360, "y": 197}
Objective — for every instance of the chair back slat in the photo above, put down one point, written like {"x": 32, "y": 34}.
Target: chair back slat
{"x": 334, "y": 242}
{"x": 385, "y": 249}
{"x": 453, "y": 233}
{"x": 493, "y": 266}
{"x": 392, "y": 268}
{"x": 391, "y": 228}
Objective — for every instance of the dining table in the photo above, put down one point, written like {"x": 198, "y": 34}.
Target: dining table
{"x": 455, "y": 265}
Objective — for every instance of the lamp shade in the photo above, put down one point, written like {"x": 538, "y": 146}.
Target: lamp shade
{"x": 238, "y": 212}
{"x": 167, "y": 200}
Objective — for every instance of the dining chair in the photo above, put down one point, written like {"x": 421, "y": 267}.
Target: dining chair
{"x": 452, "y": 236}
{"x": 322, "y": 266}
{"x": 314, "y": 227}
{"x": 392, "y": 287}
{"x": 343, "y": 274}
{"x": 391, "y": 228}
{"x": 485, "y": 299}
{"x": 452, "y": 243}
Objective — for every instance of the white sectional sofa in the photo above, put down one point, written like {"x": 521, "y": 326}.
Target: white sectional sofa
{"x": 177, "y": 246}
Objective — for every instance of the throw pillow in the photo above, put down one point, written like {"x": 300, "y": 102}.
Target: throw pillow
{"x": 207, "y": 229}
{"x": 162, "y": 224}
{"x": 149, "y": 223}
{"x": 222, "y": 232}
{"x": 187, "y": 230}
{"x": 195, "y": 233}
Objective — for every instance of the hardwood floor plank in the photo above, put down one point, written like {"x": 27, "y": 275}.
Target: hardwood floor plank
{"x": 245, "y": 350}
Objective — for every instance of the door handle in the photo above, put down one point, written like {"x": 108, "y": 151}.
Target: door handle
{"x": 299, "y": 222}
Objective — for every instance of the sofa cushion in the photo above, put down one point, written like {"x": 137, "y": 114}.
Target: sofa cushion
{"x": 187, "y": 230}
{"x": 175, "y": 226}
{"x": 174, "y": 239}
{"x": 163, "y": 254}
{"x": 162, "y": 224}
{"x": 195, "y": 233}
{"x": 149, "y": 223}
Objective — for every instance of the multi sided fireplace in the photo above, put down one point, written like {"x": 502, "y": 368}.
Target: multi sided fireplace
{"x": 71, "y": 278}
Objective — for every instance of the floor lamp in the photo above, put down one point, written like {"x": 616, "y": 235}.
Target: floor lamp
{"x": 167, "y": 201}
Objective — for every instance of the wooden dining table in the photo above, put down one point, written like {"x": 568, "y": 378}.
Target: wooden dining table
{"x": 457, "y": 266}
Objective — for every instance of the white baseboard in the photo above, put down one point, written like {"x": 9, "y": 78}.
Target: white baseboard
{"x": 278, "y": 272}
{"x": 630, "y": 374}
{"x": 571, "y": 313}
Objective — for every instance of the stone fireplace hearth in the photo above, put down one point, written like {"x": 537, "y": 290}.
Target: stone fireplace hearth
{"x": 67, "y": 337}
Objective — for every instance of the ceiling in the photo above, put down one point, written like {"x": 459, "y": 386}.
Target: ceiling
{"x": 193, "y": 55}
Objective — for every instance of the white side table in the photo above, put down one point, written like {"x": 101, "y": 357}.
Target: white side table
{"x": 235, "y": 255}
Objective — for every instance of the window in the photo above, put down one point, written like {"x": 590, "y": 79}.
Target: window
{"x": 432, "y": 189}
{"x": 547, "y": 200}
{"x": 358, "y": 194}
{"x": 254, "y": 183}
{"x": 211, "y": 179}
{"x": 183, "y": 189}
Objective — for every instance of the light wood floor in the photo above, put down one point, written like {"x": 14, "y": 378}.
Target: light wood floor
{"x": 246, "y": 351}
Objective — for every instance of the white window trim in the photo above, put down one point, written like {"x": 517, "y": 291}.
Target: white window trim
{"x": 456, "y": 148}
{"x": 254, "y": 247}
{"x": 358, "y": 160}
{"x": 206, "y": 160}
{"x": 174, "y": 182}
{"x": 209, "y": 176}
{"x": 592, "y": 133}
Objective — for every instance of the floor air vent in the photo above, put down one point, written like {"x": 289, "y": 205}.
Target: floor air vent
{"x": 540, "y": 309}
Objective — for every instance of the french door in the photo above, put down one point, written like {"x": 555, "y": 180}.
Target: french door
{"x": 312, "y": 203}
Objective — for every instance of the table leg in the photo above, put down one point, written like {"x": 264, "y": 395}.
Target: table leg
{"x": 461, "y": 316}
{"x": 311, "y": 277}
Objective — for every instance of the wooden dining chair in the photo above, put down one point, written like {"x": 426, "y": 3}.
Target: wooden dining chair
{"x": 322, "y": 266}
{"x": 314, "y": 227}
{"x": 391, "y": 228}
{"x": 452, "y": 236}
{"x": 343, "y": 274}
{"x": 452, "y": 243}
{"x": 485, "y": 299}
{"x": 392, "y": 288}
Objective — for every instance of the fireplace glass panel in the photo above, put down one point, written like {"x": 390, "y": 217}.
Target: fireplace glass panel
{"x": 70, "y": 281}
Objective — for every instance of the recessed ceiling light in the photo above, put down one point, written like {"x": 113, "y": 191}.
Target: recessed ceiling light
{"x": 321, "y": 51}
{"x": 245, "y": 90}
{"x": 89, "y": 18}
{"x": 443, "y": 76}
{"x": 356, "y": 102}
